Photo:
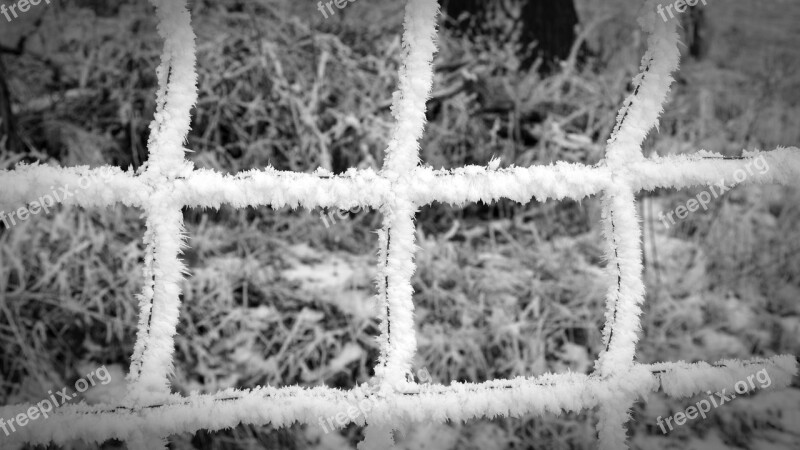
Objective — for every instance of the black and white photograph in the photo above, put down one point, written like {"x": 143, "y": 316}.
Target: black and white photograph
{"x": 399, "y": 224}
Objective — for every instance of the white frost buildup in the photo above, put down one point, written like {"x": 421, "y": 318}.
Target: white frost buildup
{"x": 626, "y": 289}
{"x": 159, "y": 303}
{"x": 416, "y": 80}
{"x": 398, "y": 341}
{"x": 177, "y": 93}
{"x": 150, "y": 412}
{"x": 641, "y": 109}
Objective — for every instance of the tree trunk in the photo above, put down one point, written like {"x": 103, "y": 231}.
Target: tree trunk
{"x": 547, "y": 26}
{"x": 8, "y": 126}
{"x": 464, "y": 15}
{"x": 697, "y": 32}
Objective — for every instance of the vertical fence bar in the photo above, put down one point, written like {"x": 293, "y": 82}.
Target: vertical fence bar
{"x": 398, "y": 341}
{"x": 151, "y": 363}
{"x": 638, "y": 115}
{"x": 626, "y": 293}
{"x": 177, "y": 91}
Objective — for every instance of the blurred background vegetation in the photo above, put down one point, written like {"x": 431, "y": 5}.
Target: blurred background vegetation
{"x": 501, "y": 290}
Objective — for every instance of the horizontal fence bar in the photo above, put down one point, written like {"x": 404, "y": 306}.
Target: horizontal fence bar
{"x": 682, "y": 379}
{"x": 206, "y": 188}
{"x": 289, "y": 405}
{"x": 107, "y": 186}
{"x": 100, "y": 187}
{"x": 521, "y": 184}
{"x": 569, "y": 392}
{"x": 780, "y": 166}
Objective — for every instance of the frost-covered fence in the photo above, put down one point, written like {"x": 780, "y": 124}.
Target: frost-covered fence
{"x": 150, "y": 412}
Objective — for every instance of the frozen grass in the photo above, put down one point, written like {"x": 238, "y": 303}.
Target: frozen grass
{"x": 501, "y": 289}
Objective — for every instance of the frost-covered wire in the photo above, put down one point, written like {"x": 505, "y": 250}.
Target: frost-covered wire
{"x": 415, "y": 81}
{"x": 779, "y": 166}
{"x": 151, "y": 412}
{"x": 99, "y": 187}
{"x": 680, "y": 379}
{"x": 640, "y": 111}
{"x": 151, "y": 363}
{"x": 106, "y": 186}
{"x": 546, "y": 394}
{"x": 626, "y": 289}
{"x": 398, "y": 339}
{"x": 177, "y": 89}
{"x": 621, "y": 228}
{"x": 160, "y": 301}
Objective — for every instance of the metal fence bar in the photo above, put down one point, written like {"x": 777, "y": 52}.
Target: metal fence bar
{"x": 150, "y": 412}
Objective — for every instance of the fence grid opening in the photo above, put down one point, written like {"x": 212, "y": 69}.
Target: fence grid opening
{"x": 168, "y": 182}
